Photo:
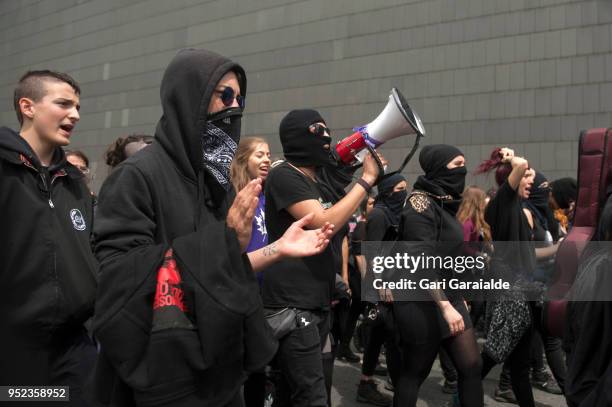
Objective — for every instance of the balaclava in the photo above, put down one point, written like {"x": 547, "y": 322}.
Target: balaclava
{"x": 300, "y": 146}
{"x": 391, "y": 202}
{"x": 433, "y": 160}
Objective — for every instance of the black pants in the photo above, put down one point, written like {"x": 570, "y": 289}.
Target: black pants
{"x": 67, "y": 361}
{"x": 378, "y": 333}
{"x": 300, "y": 361}
{"x": 255, "y": 390}
{"x": 553, "y": 348}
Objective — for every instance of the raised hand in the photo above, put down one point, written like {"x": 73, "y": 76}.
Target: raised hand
{"x": 506, "y": 154}
{"x": 300, "y": 242}
{"x": 240, "y": 214}
{"x": 370, "y": 167}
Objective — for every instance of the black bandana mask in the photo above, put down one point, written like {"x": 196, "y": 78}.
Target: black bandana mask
{"x": 452, "y": 181}
{"x": 219, "y": 144}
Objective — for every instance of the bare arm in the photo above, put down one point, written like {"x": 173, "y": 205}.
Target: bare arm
{"x": 341, "y": 212}
{"x": 345, "y": 256}
{"x": 519, "y": 166}
{"x": 295, "y": 242}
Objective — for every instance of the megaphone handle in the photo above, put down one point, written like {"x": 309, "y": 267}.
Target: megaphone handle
{"x": 381, "y": 168}
{"x": 409, "y": 156}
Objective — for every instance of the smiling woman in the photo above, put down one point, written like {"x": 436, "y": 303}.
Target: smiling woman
{"x": 252, "y": 161}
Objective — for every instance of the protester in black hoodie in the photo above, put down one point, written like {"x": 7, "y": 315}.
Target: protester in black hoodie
{"x": 178, "y": 312}
{"x": 46, "y": 265}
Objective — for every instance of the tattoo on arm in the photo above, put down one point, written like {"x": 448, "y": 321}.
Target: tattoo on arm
{"x": 270, "y": 250}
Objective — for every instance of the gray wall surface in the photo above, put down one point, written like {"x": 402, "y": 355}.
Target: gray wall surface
{"x": 481, "y": 73}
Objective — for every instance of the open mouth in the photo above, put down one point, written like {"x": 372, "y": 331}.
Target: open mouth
{"x": 264, "y": 169}
{"x": 67, "y": 128}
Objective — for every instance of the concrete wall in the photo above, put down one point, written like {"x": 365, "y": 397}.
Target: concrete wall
{"x": 481, "y": 73}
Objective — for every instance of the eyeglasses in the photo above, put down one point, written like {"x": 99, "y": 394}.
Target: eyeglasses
{"x": 319, "y": 130}
{"x": 227, "y": 96}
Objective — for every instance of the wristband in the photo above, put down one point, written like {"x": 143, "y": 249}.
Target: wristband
{"x": 364, "y": 184}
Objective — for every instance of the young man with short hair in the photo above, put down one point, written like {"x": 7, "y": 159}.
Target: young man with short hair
{"x": 47, "y": 268}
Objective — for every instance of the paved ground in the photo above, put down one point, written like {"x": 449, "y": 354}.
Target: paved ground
{"x": 346, "y": 377}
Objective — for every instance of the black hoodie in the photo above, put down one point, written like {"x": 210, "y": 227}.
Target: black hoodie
{"x": 161, "y": 199}
{"x": 47, "y": 269}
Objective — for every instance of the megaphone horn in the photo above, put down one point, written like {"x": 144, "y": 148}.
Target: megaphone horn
{"x": 397, "y": 119}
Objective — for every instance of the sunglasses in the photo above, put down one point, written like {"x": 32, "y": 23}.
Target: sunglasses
{"x": 319, "y": 130}
{"x": 83, "y": 169}
{"x": 227, "y": 96}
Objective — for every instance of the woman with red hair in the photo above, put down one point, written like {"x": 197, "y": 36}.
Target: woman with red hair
{"x": 510, "y": 326}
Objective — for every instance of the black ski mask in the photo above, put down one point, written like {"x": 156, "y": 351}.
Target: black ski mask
{"x": 220, "y": 142}
{"x": 301, "y": 146}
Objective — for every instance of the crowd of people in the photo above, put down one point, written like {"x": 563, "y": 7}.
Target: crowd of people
{"x": 205, "y": 274}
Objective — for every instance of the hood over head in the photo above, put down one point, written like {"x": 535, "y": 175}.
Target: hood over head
{"x": 187, "y": 87}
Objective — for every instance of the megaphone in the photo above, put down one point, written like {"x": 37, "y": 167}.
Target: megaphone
{"x": 397, "y": 119}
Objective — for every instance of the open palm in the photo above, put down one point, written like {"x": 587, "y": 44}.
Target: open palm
{"x": 300, "y": 242}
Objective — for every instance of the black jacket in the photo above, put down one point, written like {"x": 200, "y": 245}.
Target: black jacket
{"x": 46, "y": 265}
{"x": 160, "y": 199}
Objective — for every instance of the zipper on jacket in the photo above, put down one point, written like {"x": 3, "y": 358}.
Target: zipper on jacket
{"x": 27, "y": 163}
{"x": 47, "y": 189}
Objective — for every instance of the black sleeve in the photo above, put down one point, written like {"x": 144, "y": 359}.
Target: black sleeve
{"x": 287, "y": 186}
{"x": 497, "y": 212}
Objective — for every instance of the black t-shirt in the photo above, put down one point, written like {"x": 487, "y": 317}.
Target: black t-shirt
{"x": 307, "y": 282}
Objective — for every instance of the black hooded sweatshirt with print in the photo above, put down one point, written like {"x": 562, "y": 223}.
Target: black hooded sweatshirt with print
{"x": 47, "y": 268}
{"x": 186, "y": 330}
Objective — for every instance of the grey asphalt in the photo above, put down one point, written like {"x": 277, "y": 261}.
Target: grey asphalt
{"x": 346, "y": 378}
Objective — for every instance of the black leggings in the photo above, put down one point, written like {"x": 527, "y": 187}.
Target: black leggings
{"x": 417, "y": 361}
{"x": 519, "y": 363}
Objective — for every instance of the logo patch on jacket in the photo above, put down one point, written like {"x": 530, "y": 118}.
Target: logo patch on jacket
{"x": 169, "y": 304}
{"x": 78, "y": 221}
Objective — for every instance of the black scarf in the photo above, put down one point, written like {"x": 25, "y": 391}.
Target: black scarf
{"x": 438, "y": 180}
{"x": 537, "y": 203}
{"x": 301, "y": 147}
{"x": 219, "y": 144}
{"x": 391, "y": 203}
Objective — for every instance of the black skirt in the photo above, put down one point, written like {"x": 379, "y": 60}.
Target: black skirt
{"x": 420, "y": 322}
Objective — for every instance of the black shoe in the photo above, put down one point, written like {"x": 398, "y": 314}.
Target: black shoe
{"x": 389, "y": 385}
{"x": 505, "y": 395}
{"x": 380, "y": 370}
{"x": 542, "y": 380}
{"x": 449, "y": 387}
{"x": 367, "y": 392}
{"x": 345, "y": 353}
